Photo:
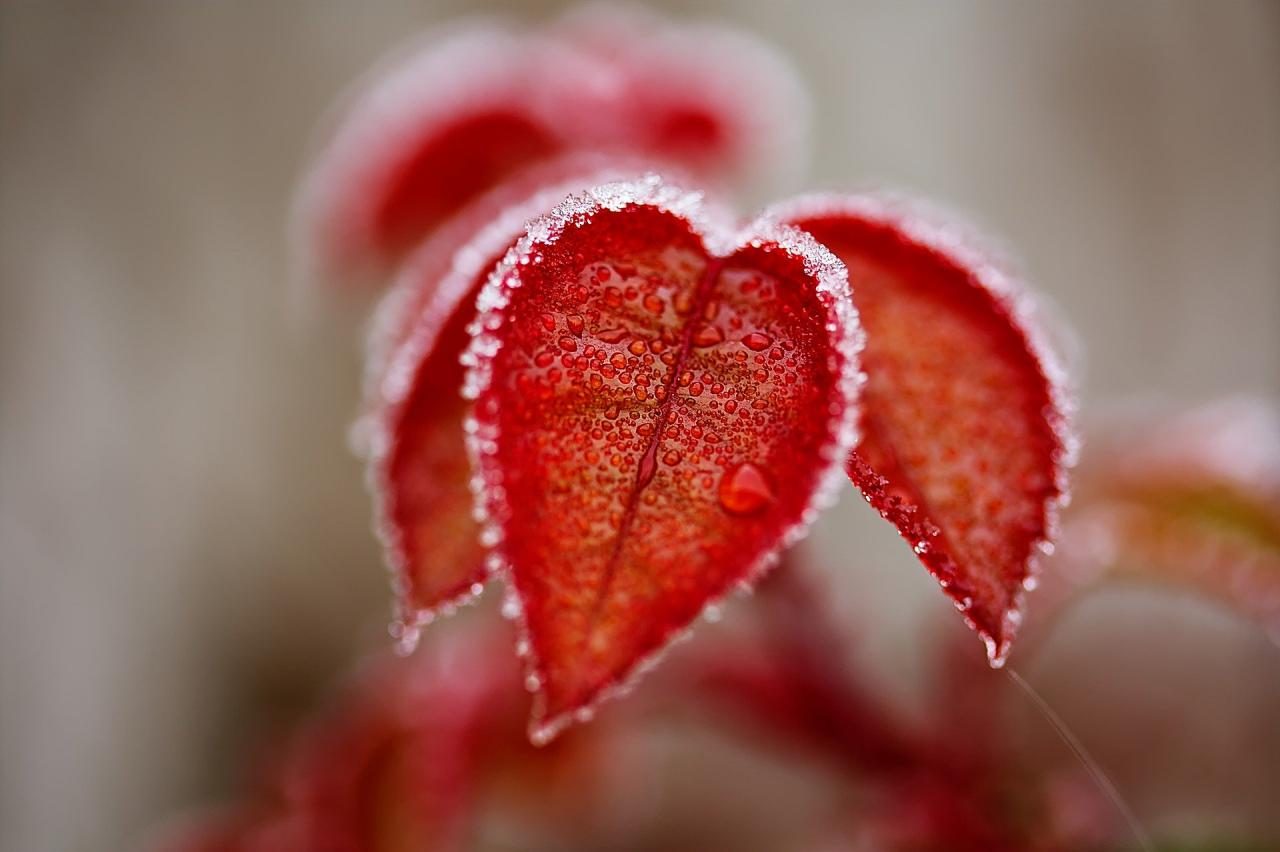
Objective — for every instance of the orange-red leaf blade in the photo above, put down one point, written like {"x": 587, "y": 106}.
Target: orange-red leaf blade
{"x": 965, "y": 441}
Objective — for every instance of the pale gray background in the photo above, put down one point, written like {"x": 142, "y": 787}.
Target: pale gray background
{"x": 183, "y": 535}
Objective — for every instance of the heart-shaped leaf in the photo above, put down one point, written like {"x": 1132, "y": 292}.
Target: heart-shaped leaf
{"x": 417, "y": 455}
{"x": 965, "y": 440}
{"x": 659, "y": 406}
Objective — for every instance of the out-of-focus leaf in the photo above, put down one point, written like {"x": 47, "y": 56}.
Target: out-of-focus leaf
{"x": 1190, "y": 499}
{"x": 459, "y": 111}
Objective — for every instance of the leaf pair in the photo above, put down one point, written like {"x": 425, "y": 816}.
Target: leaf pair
{"x": 661, "y": 401}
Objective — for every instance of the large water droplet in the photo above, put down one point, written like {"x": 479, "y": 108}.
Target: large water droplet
{"x": 757, "y": 342}
{"x": 708, "y": 335}
{"x": 744, "y": 490}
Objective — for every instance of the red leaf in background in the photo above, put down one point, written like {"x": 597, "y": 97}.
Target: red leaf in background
{"x": 1191, "y": 499}
{"x": 658, "y": 407}
{"x": 965, "y": 442}
{"x": 714, "y": 101}
{"x": 460, "y": 111}
{"x": 418, "y": 460}
{"x": 431, "y": 128}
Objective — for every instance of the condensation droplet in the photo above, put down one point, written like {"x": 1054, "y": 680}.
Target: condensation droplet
{"x": 757, "y": 342}
{"x": 744, "y": 490}
{"x": 708, "y": 335}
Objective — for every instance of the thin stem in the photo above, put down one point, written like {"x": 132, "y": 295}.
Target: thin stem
{"x": 1087, "y": 760}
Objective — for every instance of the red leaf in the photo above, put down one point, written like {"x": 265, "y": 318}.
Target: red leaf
{"x": 417, "y": 461}
{"x": 712, "y": 100}
{"x": 965, "y": 443}
{"x": 460, "y": 111}
{"x": 659, "y": 406}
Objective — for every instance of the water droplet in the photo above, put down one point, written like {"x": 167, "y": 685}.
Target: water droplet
{"x": 637, "y": 347}
{"x": 653, "y": 304}
{"x": 757, "y": 342}
{"x": 568, "y": 344}
{"x": 744, "y": 490}
{"x": 708, "y": 335}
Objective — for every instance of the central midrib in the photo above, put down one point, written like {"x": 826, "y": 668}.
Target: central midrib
{"x": 649, "y": 460}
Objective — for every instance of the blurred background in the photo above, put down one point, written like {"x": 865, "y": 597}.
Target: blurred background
{"x": 185, "y": 549}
